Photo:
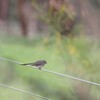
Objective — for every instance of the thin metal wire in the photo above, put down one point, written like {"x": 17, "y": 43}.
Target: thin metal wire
{"x": 33, "y": 94}
{"x": 75, "y": 78}
{"x": 10, "y": 60}
{"x": 17, "y": 88}
{"x": 63, "y": 75}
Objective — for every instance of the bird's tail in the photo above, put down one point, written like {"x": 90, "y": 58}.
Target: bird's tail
{"x": 27, "y": 64}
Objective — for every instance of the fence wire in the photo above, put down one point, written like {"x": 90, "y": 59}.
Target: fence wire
{"x": 53, "y": 72}
{"x": 30, "y": 93}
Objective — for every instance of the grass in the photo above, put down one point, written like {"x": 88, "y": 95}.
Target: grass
{"x": 78, "y": 56}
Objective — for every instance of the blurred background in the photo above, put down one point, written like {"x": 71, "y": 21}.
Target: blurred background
{"x": 65, "y": 33}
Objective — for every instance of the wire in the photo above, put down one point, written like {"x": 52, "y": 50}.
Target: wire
{"x": 33, "y": 94}
{"x": 10, "y": 60}
{"x": 17, "y": 88}
{"x": 63, "y": 75}
{"x": 75, "y": 78}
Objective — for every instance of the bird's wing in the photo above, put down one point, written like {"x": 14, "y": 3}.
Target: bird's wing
{"x": 37, "y": 63}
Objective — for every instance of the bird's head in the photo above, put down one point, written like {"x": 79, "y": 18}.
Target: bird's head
{"x": 45, "y": 61}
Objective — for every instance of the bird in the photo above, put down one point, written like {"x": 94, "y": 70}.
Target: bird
{"x": 39, "y": 64}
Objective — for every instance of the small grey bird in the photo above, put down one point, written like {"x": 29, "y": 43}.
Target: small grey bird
{"x": 39, "y": 63}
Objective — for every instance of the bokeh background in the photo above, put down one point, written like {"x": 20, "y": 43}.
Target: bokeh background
{"x": 65, "y": 33}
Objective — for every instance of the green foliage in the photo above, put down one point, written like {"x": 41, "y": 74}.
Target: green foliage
{"x": 74, "y": 56}
{"x": 61, "y": 20}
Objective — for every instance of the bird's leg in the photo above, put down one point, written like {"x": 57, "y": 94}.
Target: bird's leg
{"x": 39, "y": 68}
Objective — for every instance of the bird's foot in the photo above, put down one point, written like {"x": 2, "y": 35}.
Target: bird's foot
{"x": 39, "y": 68}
